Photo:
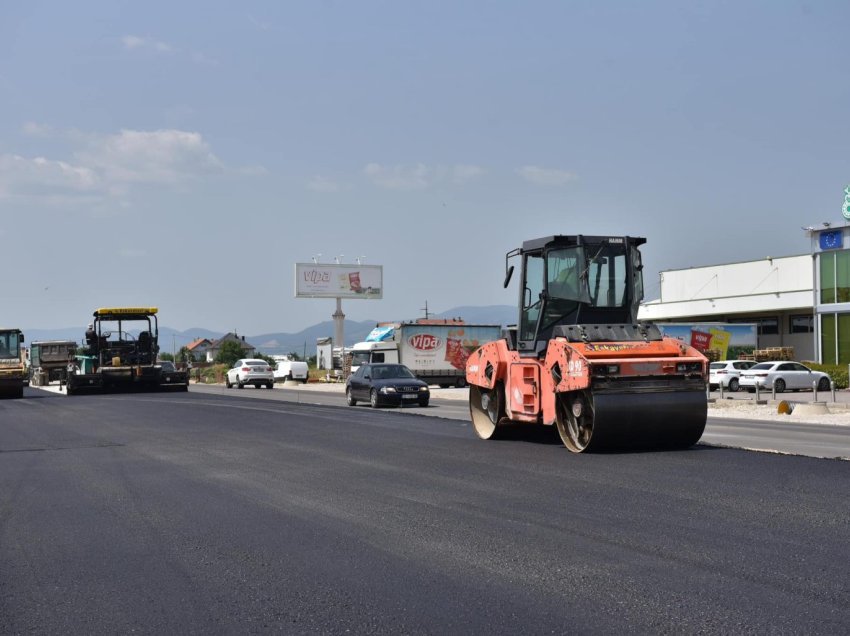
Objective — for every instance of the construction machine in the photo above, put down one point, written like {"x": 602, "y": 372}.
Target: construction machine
{"x": 122, "y": 344}
{"x": 49, "y": 360}
{"x": 578, "y": 358}
{"x": 13, "y": 371}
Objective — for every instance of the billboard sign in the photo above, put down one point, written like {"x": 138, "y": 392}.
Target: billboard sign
{"x": 316, "y": 280}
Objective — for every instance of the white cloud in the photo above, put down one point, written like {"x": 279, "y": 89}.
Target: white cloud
{"x": 546, "y": 176}
{"x": 398, "y": 177}
{"x": 161, "y": 156}
{"x": 464, "y": 173}
{"x": 26, "y": 177}
{"x": 132, "y": 42}
{"x": 322, "y": 184}
{"x": 110, "y": 164}
{"x": 420, "y": 176}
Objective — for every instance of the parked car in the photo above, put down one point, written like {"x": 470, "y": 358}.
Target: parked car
{"x": 727, "y": 373}
{"x": 290, "y": 370}
{"x": 783, "y": 376}
{"x": 250, "y": 371}
{"x": 381, "y": 384}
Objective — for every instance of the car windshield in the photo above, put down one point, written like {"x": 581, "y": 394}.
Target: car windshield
{"x": 718, "y": 365}
{"x": 762, "y": 365}
{"x": 255, "y": 363}
{"x": 391, "y": 371}
{"x": 167, "y": 366}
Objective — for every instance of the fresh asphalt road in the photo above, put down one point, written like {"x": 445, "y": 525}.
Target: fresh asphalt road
{"x": 796, "y": 438}
{"x": 204, "y": 513}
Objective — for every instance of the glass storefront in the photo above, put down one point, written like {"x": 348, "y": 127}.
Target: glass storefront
{"x": 834, "y": 289}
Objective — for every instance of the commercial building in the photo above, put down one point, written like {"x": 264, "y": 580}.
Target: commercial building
{"x": 796, "y": 301}
{"x": 831, "y": 253}
{"x": 774, "y": 293}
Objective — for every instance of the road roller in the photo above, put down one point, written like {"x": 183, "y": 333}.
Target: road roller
{"x": 579, "y": 360}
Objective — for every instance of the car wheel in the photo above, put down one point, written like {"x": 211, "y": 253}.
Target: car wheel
{"x": 227, "y": 382}
{"x": 423, "y": 402}
{"x": 373, "y": 398}
{"x": 349, "y": 399}
{"x": 779, "y": 385}
{"x": 734, "y": 385}
{"x": 239, "y": 383}
{"x": 823, "y": 384}
{"x": 460, "y": 383}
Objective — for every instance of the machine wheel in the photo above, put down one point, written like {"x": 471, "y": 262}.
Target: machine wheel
{"x": 779, "y": 385}
{"x": 734, "y": 385}
{"x": 239, "y": 383}
{"x": 373, "y": 398}
{"x": 823, "y": 384}
{"x": 349, "y": 399}
{"x": 227, "y": 382}
{"x": 486, "y": 410}
{"x": 574, "y": 418}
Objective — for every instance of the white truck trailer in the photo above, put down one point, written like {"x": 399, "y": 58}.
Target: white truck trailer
{"x": 435, "y": 350}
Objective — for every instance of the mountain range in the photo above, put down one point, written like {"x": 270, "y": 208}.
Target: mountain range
{"x": 301, "y": 342}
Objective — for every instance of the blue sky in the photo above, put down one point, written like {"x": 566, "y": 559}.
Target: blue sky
{"x": 186, "y": 155}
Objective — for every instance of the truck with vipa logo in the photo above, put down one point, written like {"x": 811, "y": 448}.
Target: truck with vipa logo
{"x": 434, "y": 349}
{"x": 122, "y": 344}
{"x": 13, "y": 371}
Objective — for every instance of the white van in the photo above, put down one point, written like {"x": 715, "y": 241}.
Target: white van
{"x": 290, "y": 370}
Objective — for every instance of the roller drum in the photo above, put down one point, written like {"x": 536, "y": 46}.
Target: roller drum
{"x": 611, "y": 420}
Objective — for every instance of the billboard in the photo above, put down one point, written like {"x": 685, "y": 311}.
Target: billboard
{"x": 729, "y": 339}
{"x": 316, "y": 280}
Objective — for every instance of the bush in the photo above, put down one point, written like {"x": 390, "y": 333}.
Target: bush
{"x": 838, "y": 373}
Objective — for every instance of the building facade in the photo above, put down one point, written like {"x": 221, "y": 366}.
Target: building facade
{"x": 831, "y": 254}
{"x": 777, "y": 294}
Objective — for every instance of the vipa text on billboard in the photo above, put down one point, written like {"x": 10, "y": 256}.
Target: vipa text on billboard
{"x": 313, "y": 280}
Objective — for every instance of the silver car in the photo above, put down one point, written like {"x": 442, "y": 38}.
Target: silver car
{"x": 727, "y": 373}
{"x": 783, "y": 376}
{"x": 250, "y": 371}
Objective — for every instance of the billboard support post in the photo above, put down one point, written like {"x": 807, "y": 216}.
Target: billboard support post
{"x": 339, "y": 327}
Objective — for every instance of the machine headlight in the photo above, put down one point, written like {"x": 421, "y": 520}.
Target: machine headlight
{"x": 688, "y": 367}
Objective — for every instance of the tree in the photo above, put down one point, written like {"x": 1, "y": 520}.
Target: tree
{"x": 184, "y": 355}
{"x": 229, "y": 353}
{"x": 166, "y": 356}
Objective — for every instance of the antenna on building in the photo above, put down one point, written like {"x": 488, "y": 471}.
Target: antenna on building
{"x": 359, "y": 260}
{"x": 316, "y": 258}
{"x": 338, "y": 259}
{"x": 425, "y": 309}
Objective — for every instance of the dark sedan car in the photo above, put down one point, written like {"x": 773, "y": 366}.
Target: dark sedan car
{"x": 381, "y": 384}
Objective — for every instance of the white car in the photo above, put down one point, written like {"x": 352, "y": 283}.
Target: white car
{"x": 250, "y": 371}
{"x": 290, "y": 370}
{"x": 727, "y": 373}
{"x": 783, "y": 376}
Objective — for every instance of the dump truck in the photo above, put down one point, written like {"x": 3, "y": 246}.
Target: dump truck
{"x": 13, "y": 370}
{"x": 121, "y": 350}
{"x": 49, "y": 360}
{"x": 435, "y": 349}
{"x": 579, "y": 360}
